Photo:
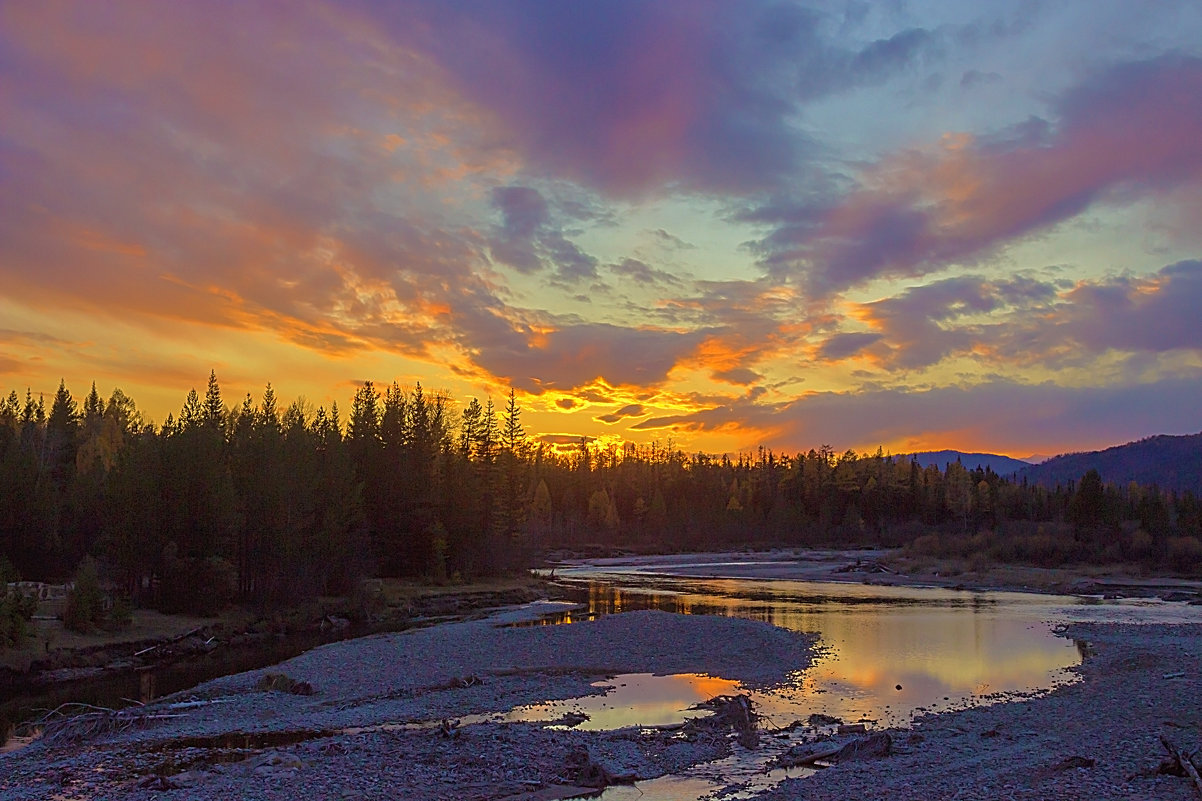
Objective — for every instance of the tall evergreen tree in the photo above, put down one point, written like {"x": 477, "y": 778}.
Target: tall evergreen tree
{"x": 214, "y": 407}
{"x": 513, "y": 490}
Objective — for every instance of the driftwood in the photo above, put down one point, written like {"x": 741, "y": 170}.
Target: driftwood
{"x": 861, "y": 566}
{"x": 584, "y": 771}
{"x": 790, "y": 760}
{"x": 58, "y": 725}
{"x": 736, "y": 711}
{"x": 172, "y": 641}
{"x": 554, "y": 792}
{"x": 1186, "y": 761}
{"x": 877, "y": 744}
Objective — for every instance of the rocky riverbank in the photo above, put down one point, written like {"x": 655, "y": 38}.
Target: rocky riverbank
{"x": 418, "y": 715}
{"x": 1095, "y": 740}
{"x": 354, "y": 737}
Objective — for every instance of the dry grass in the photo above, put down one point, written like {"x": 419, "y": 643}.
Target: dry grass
{"x": 401, "y": 591}
{"x": 982, "y": 571}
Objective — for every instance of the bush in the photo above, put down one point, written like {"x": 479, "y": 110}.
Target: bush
{"x": 16, "y": 609}
{"x": 85, "y": 610}
{"x": 367, "y": 603}
{"x": 120, "y": 615}
{"x": 1184, "y": 554}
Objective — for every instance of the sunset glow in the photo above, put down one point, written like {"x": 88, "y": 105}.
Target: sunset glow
{"x": 912, "y": 225}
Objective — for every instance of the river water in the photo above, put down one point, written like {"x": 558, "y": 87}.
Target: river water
{"x": 887, "y": 654}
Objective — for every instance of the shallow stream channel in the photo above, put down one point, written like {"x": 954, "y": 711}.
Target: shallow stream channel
{"x": 886, "y": 655}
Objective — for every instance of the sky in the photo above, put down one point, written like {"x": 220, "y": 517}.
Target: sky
{"x": 720, "y": 225}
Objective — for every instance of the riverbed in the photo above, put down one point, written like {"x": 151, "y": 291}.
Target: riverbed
{"x": 988, "y": 682}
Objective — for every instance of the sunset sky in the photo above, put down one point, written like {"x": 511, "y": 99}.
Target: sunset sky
{"x": 911, "y": 225}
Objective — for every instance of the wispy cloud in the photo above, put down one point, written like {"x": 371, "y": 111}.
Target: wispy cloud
{"x": 1134, "y": 129}
{"x": 1027, "y": 321}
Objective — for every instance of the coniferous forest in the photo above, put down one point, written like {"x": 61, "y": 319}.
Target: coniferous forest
{"x": 271, "y": 504}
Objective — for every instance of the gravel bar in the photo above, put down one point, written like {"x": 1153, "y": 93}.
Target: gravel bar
{"x": 236, "y": 743}
{"x": 1094, "y": 740}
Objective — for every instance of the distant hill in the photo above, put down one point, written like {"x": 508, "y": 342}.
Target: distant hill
{"x": 1170, "y": 462}
{"x": 1002, "y": 465}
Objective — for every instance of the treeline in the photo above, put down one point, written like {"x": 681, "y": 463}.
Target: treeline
{"x": 270, "y": 505}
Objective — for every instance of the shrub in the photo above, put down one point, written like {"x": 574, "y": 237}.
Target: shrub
{"x": 1142, "y": 544}
{"x": 926, "y": 545}
{"x": 367, "y": 603}
{"x": 120, "y": 615}
{"x": 1184, "y": 554}
{"x": 16, "y": 609}
{"x": 85, "y": 602}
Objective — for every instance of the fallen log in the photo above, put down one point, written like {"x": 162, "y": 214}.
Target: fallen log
{"x": 553, "y": 792}
{"x": 1184, "y": 759}
{"x": 788, "y": 760}
{"x": 171, "y": 641}
{"x": 877, "y": 744}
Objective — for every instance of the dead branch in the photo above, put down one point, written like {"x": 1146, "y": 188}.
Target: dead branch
{"x": 788, "y": 760}
{"x": 58, "y": 726}
{"x": 171, "y": 641}
{"x": 1187, "y": 764}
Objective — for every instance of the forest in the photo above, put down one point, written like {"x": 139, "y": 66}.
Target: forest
{"x": 271, "y": 505}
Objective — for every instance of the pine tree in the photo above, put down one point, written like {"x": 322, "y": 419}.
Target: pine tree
{"x": 513, "y": 438}
{"x": 394, "y": 420}
{"x": 269, "y": 416}
{"x": 62, "y": 434}
{"x": 364, "y": 425}
{"x": 192, "y": 414}
{"x": 469, "y": 428}
{"x": 214, "y": 407}
{"x": 93, "y": 411}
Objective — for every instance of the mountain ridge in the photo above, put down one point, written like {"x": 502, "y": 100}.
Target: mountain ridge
{"x": 1172, "y": 462}
{"x": 1002, "y": 465}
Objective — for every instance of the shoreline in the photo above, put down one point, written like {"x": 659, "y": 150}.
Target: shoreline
{"x": 898, "y": 569}
{"x": 1095, "y": 739}
{"x": 351, "y": 732}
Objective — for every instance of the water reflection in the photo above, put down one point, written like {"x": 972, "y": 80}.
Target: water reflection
{"x": 941, "y": 647}
{"x": 633, "y": 699}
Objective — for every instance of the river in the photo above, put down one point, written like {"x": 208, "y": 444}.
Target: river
{"x": 887, "y": 654}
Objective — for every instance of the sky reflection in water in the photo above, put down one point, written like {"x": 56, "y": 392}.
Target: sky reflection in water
{"x": 944, "y": 647}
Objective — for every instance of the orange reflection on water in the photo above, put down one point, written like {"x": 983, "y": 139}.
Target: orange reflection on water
{"x": 942, "y": 647}
{"x": 634, "y": 699}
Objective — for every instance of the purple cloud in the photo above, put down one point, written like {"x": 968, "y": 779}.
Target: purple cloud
{"x": 642, "y": 273}
{"x": 740, "y": 376}
{"x": 576, "y": 355}
{"x": 630, "y": 98}
{"x": 844, "y": 346}
{"x": 1134, "y": 129}
{"x": 530, "y": 240}
{"x": 1029, "y": 321}
{"x": 630, "y": 410}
